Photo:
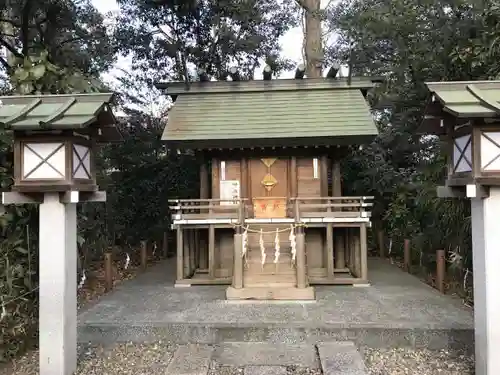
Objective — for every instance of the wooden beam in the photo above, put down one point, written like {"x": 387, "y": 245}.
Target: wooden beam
{"x": 467, "y": 191}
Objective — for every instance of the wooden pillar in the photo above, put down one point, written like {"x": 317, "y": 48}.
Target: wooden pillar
{"x": 108, "y": 271}
{"x": 381, "y": 243}
{"x": 192, "y": 251}
{"x": 336, "y": 178}
{"x": 203, "y": 250}
{"x": 340, "y": 249}
{"x": 238, "y": 260}
{"x": 323, "y": 165}
{"x": 357, "y": 252}
{"x": 407, "y": 255}
{"x": 329, "y": 250}
{"x": 204, "y": 180}
{"x": 301, "y": 258}
{"x": 244, "y": 178}
{"x": 364, "y": 251}
{"x": 293, "y": 177}
{"x": 215, "y": 179}
{"x": 187, "y": 242}
{"x": 211, "y": 251}
{"x": 354, "y": 251}
{"x": 144, "y": 254}
{"x": 440, "y": 269}
{"x": 180, "y": 254}
{"x": 347, "y": 249}
{"x": 165, "y": 245}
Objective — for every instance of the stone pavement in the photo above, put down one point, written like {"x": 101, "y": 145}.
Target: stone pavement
{"x": 396, "y": 310}
{"x": 333, "y": 358}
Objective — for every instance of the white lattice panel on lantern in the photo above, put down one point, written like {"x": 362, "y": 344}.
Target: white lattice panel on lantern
{"x": 81, "y": 162}
{"x": 462, "y": 154}
{"x": 490, "y": 151}
{"x": 44, "y": 161}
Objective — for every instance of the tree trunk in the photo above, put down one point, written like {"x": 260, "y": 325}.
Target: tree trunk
{"x": 313, "y": 43}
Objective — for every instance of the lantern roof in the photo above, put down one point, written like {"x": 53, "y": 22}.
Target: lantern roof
{"x": 266, "y": 113}
{"x": 462, "y": 100}
{"x": 60, "y": 112}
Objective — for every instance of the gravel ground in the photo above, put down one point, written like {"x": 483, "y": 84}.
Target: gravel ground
{"x": 119, "y": 359}
{"x": 152, "y": 359}
{"x": 417, "y": 361}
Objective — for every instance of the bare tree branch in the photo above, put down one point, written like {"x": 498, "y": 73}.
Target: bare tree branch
{"x": 5, "y": 64}
{"x": 10, "y": 48}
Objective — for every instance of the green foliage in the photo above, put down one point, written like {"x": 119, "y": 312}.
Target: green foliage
{"x": 410, "y": 43}
{"x": 165, "y": 37}
{"x": 72, "y": 32}
{"x": 36, "y": 75}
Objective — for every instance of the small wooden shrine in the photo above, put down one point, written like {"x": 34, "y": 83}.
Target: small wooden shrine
{"x": 271, "y": 219}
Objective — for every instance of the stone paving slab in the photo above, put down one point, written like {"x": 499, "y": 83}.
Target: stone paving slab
{"x": 263, "y": 353}
{"x": 192, "y": 359}
{"x": 265, "y": 370}
{"x": 341, "y": 358}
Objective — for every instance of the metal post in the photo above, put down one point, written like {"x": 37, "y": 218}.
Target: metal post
{"x": 486, "y": 258}
{"x": 58, "y": 285}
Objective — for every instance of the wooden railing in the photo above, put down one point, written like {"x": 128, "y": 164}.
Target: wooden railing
{"x": 298, "y": 208}
{"x": 186, "y": 209}
{"x": 346, "y": 207}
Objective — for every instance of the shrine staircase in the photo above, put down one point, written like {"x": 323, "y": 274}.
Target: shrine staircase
{"x": 281, "y": 274}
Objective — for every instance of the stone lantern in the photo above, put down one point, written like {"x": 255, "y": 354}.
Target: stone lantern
{"x": 55, "y": 139}
{"x": 466, "y": 115}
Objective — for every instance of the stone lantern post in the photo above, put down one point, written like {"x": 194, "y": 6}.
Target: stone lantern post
{"x": 466, "y": 115}
{"x": 55, "y": 139}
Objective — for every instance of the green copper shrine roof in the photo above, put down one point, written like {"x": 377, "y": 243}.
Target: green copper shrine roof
{"x": 282, "y": 112}
{"x": 60, "y": 112}
{"x": 462, "y": 100}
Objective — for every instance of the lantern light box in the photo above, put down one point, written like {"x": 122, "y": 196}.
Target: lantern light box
{"x": 466, "y": 115}
{"x": 55, "y": 138}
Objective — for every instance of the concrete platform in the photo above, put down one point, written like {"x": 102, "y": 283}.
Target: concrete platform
{"x": 396, "y": 310}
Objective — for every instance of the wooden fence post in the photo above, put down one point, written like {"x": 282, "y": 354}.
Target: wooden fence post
{"x": 381, "y": 243}
{"x": 407, "y": 256}
{"x": 165, "y": 245}
{"x": 440, "y": 269}
{"x": 144, "y": 254}
{"x": 108, "y": 271}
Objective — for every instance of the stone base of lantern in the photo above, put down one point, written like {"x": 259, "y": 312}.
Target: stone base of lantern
{"x": 270, "y": 293}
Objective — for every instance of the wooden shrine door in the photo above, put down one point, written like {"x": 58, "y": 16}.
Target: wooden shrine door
{"x": 269, "y": 187}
